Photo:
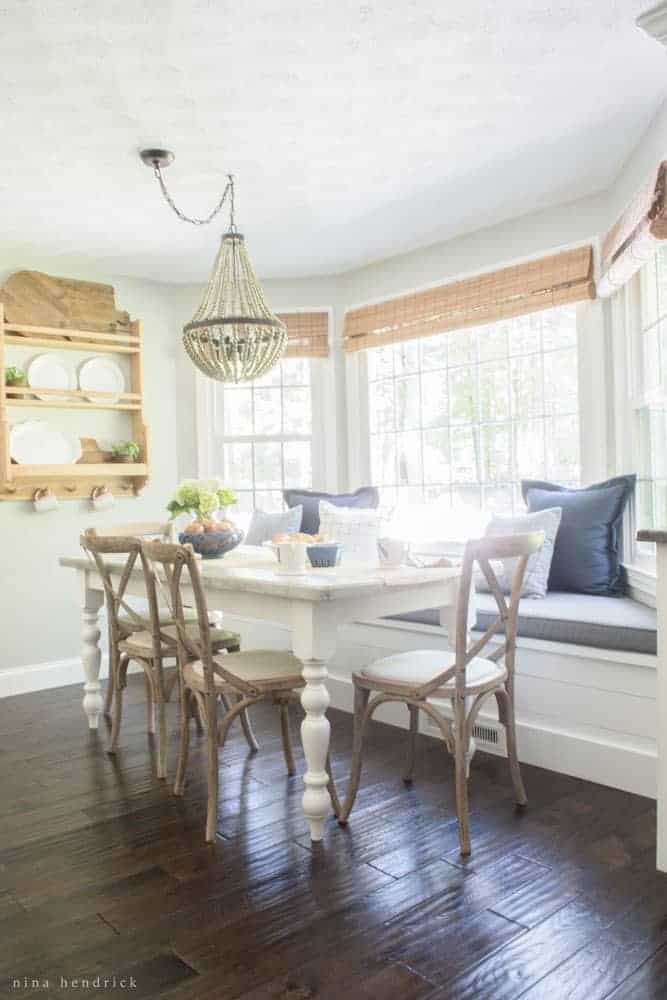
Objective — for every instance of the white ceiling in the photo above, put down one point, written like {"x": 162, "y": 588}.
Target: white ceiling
{"x": 356, "y": 130}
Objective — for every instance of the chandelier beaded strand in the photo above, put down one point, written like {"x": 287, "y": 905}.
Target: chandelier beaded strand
{"x": 233, "y": 336}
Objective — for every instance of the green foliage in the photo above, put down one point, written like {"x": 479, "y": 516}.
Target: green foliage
{"x": 126, "y": 449}
{"x": 14, "y": 376}
{"x": 201, "y": 498}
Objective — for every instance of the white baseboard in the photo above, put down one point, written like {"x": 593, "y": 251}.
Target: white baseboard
{"x": 41, "y": 677}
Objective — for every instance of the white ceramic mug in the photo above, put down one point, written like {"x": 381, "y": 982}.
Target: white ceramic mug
{"x": 44, "y": 500}
{"x": 393, "y": 551}
{"x": 292, "y": 557}
{"x": 102, "y": 498}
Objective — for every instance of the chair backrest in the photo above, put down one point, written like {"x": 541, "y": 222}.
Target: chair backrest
{"x": 483, "y": 552}
{"x": 163, "y": 530}
{"x": 172, "y": 560}
{"x": 115, "y": 576}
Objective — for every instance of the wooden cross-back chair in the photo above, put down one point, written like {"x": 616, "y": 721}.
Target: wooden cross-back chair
{"x": 165, "y": 530}
{"x": 148, "y": 639}
{"x": 466, "y": 678}
{"x": 237, "y": 680}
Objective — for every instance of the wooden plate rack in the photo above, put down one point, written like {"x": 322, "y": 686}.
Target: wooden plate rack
{"x": 19, "y": 482}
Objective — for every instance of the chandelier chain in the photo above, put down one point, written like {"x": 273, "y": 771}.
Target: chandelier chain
{"x": 229, "y": 190}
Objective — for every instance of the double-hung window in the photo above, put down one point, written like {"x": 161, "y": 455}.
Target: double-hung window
{"x": 644, "y": 305}
{"x": 262, "y": 434}
{"x": 462, "y": 417}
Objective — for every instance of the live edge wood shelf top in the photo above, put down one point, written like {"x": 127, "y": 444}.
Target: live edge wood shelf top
{"x": 38, "y": 310}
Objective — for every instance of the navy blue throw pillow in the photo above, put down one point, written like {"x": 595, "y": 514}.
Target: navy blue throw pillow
{"x": 586, "y": 553}
{"x": 367, "y": 496}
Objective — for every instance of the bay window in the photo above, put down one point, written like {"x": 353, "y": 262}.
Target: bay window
{"x": 462, "y": 417}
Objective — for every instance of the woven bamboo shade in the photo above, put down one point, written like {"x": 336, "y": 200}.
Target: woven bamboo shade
{"x": 636, "y": 235}
{"x": 513, "y": 291}
{"x": 307, "y": 334}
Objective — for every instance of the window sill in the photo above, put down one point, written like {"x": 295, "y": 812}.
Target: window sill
{"x": 641, "y": 582}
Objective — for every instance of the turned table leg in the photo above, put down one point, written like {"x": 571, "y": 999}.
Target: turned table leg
{"x": 315, "y": 733}
{"x": 91, "y": 656}
{"x": 314, "y": 642}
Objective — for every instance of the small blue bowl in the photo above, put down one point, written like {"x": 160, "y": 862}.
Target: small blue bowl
{"x": 324, "y": 556}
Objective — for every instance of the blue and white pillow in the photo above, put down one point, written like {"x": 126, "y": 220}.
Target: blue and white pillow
{"x": 264, "y": 526}
{"x": 536, "y": 577}
{"x": 356, "y": 529}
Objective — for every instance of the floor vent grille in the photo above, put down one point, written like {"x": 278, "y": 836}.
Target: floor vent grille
{"x": 486, "y": 734}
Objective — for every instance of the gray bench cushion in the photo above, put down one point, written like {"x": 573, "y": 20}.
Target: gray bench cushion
{"x": 604, "y": 622}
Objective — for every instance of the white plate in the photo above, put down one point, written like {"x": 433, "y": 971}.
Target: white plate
{"x": 49, "y": 371}
{"x": 34, "y": 442}
{"x": 100, "y": 374}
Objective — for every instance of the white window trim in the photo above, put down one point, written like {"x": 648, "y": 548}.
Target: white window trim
{"x": 625, "y": 326}
{"x": 323, "y": 401}
{"x": 358, "y": 423}
{"x": 595, "y": 412}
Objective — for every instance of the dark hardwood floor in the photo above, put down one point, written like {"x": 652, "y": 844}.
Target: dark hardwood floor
{"x": 103, "y": 873}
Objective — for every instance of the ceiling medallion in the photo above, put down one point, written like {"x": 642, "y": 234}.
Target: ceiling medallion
{"x": 233, "y": 336}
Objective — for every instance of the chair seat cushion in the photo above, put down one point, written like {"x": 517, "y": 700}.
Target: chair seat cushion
{"x": 129, "y": 624}
{"x": 419, "y": 666}
{"x": 617, "y": 623}
{"x": 265, "y": 668}
{"x": 141, "y": 643}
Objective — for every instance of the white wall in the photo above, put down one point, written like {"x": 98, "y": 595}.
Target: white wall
{"x": 636, "y": 171}
{"x": 486, "y": 249}
{"x": 39, "y": 619}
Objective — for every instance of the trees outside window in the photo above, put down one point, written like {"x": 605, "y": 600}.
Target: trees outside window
{"x": 462, "y": 417}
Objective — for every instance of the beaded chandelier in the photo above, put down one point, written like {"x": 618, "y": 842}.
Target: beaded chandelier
{"x": 233, "y": 336}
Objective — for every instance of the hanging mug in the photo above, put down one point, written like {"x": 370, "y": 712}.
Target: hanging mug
{"x": 102, "y": 498}
{"x": 44, "y": 500}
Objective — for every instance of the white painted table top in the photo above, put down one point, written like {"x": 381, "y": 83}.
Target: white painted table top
{"x": 314, "y": 585}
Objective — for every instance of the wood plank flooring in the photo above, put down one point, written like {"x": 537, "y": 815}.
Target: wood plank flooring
{"x": 104, "y": 875}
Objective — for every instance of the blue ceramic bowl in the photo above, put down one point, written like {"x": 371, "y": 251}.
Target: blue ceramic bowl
{"x": 212, "y": 544}
{"x": 323, "y": 556}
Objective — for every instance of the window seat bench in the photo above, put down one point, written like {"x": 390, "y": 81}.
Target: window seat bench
{"x": 617, "y": 623}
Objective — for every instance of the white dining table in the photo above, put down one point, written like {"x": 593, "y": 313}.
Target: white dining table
{"x": 311, "y": 606}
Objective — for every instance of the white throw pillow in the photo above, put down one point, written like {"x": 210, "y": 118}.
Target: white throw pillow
{"x": 264, "y": 526}
{"x": 536, "y": 577}
{"x": 357, "y": 529}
